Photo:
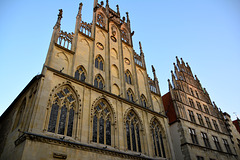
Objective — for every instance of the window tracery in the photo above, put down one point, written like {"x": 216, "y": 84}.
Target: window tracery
{"x": 157, "y": 137}
{"x": 99, "y": 62}
{"x": 143, "y": 101}
{"x": 124, "y": 35}
{"x": 128, "y": 77}
{"x": 80, "y": 74}
{"x": 130, "y": 95}
{"x": 62, "y": 112}
{"x": 98, "y": 82}
{"x": 101, "y": 20}
{"x": 102, "y": 123}
{"x": 133, "y": 134}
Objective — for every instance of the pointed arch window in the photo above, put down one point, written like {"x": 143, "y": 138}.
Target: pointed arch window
{"x": 157, "y": 137}
{"x": 133, "y": 133}
{"x": 62, "y": 112}
{"x": 80, "y": 74}
{"x": 99, "y": 62}
{"x": 143, "y": 101}
{"x": 128, "y": 77}
{"x": 130, "y": 95}
{"x": 102, "y": 123}
{"x": 101, "y": 20}
{"x": 98, "y": 82}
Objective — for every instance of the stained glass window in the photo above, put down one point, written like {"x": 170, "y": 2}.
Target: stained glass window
{"x": 158, "y": 142}
{"x": 63, "y": 106}
{"x": 102, "y": 121}
{"x": 133, "y": 133}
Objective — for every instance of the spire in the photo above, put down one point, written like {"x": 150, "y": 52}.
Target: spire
{"x": 58, "y": 23}
{"x": 107, "y": 3}
{"x": 173, "y": 76}
{"x": 197, "y": 78}
{"x": 95, "y": 5}
{"x": 140, "y": 47}
{"x": 175, "y": 68}
{"x": 169, "y": 84}
{"x": 154, "y": 73}
{"x": 182, "y": 61}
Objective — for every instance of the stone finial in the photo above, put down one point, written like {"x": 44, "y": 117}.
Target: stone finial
{"x": 58, "y": 23}
{"x": 107, "y": 3}
{"x": 127, "y": 17}
{"x": 140, "y": 47}
{"x": 123, "y": 19}
{"x": 80, "y": 9}
{"x": 117, "y": 9}
{"x": 102, "y": 3}
{"x": 153, "y": 69}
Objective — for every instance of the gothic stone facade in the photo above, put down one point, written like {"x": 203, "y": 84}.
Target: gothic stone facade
{"x": 93, "y": 99}
{"x": 199, "y": 130}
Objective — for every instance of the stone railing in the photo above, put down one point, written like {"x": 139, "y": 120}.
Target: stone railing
{"x": 85, "y": 28}
{"x": 65, "y": 39}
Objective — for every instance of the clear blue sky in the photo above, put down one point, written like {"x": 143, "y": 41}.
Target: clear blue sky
{"x": 205, "y": 33}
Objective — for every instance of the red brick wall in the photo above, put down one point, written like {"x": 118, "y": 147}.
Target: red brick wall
{"x": 169, "y": 108}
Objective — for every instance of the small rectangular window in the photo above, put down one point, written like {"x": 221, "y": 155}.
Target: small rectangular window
{"x": 193, "y": 135}
{"x": 225, "y": 142}
{"x": 200, "y": 119}
{"x": 208, "y": 122}
{"x": 205, "y": 139}
{"x": 191, "y": 115}
{"x": 217, "y": 144}
{"x": 215, "y": 125}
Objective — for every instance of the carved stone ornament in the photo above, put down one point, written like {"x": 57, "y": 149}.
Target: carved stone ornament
{"x": 59, "y": 156}
{"x": 100, "y": 45}
{"x": 114, "y": 39}
{"x": 127, "y": 61}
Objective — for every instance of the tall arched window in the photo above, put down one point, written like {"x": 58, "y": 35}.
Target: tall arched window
{"x": 98, "y": 82}
{"x": 19, "y": 115}
{"x": 102, "y": 123}
{"x": 130, "y": 95}
{"x": 80, "y": 74}
{"x": 133, "y": 128}
{"x": 62, "y": 112}
{"x": 143, "y": 101}
{"x": 99, "y": 62}
{"x": 101, "y": 20}
{"x": 157, "y": 137}
{"x": 128, "y": 77}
